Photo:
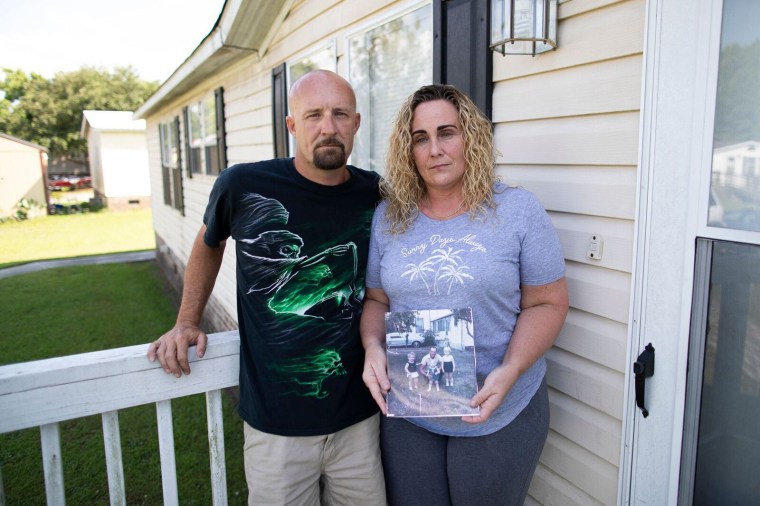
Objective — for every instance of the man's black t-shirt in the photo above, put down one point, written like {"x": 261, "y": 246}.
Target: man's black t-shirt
{"x": 301, "y": 251}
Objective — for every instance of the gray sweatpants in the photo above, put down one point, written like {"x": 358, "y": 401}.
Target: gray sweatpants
{"x": 426, "y": 468}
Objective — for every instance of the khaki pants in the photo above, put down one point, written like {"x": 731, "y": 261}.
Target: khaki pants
{"x": 342, "y": 468}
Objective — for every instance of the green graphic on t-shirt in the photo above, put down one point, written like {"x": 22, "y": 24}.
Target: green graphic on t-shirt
{"x": 310, "y": 294}
{"x": 307, "y": 373}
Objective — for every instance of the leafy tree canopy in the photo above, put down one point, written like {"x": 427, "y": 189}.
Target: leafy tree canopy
{"x": 48, "y": 112}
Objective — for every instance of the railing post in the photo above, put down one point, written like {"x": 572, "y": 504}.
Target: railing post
{"x": 166, "y": 450}
{"x": 216, "y": 447}
{"x": 50, "y": 436}
{"x": 114, "y": 465}
{"x": 2, "y": 490}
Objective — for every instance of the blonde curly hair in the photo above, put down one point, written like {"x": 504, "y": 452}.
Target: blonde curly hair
{"x": 403, "y": 186}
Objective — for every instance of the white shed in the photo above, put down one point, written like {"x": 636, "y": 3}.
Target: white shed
{"x": 23, "y": 167}
{"x": 118, "y": 158}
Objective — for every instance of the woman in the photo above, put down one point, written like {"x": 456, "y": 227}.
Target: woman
{"x": 449, "y": 235}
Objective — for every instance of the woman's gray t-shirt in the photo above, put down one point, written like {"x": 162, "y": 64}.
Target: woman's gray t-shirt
{"x": 481, "y": 263}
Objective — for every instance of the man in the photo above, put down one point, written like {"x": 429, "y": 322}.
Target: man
{"x": 431, "y": 368}
{"x": 301, "y": 228}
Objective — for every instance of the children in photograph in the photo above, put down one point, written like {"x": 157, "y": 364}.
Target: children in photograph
{"x": 431, "y": 368}
{"x": 448, "y": 367}
{"x": 411, "y": 371}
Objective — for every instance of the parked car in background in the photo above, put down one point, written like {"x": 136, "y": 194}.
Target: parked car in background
{"x": 404, "y": 339}
{"x": 58, "y": 183}
{"x": 80, "y": 182}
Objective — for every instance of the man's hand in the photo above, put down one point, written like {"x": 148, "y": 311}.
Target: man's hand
{"x": 171, "y": 348}
{"x": 375, "y": 375}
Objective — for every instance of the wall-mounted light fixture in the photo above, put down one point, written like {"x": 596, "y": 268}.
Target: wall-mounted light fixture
{"x": 523, "y": 26}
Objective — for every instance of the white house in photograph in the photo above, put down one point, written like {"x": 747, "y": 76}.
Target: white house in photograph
{"x": 655, "y": 378}
{"x": 23, "y": 174}
{"x": 118, "y": 158}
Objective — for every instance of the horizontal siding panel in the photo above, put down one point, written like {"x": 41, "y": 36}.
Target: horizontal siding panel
{"x": 602, "y": 87}
{"x": 299, "y": 17}
{"x": 251, "y": 136}
{"x": 616, "y": 236}
{"x": 602, "y": 34}
{"x": 250, "y": 102}
{"x": 550, "y": 489}
{"x": 570, "y": 8}
{"x": 251, "y": 153}
{"x": 594, "y": 385}
{"x": 248, "y": 119}
{"x": 608, "y": 191}
{"x": 596, "y": 338}
{"x": 248, "y": 89}
{"x": 604, "y": 292}
{"x": 589, "y": 473}
{"x": 585, "y": 426}
{"x": 607, "y": 139}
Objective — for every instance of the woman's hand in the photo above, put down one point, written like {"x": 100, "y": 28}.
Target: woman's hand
{"x": 496, "y": 387}
{"x": 375, "y": 375}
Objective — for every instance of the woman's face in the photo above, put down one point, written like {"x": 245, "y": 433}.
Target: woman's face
{"x": 438, "y": 145}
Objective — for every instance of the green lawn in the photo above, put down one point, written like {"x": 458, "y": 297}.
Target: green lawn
{"x": 74, "y": 235}
{"x": 79, "y": 309}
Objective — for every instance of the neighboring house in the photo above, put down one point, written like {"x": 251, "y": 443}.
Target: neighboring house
{"x": 23, "y": 173}
{"x": 118, "y": 158}
{"x": 613, "y": 132}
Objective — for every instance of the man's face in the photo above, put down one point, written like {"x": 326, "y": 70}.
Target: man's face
{"x": 323, "y": 121}
{"x": 432, "y": 352}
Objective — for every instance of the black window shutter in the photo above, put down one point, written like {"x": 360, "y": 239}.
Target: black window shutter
{"x": 279, "y": 111}
{"x": 188, "y": 154}
{"x": 221, "y": 133}
{"x": 461, "y": 57}
{"x": 179, "y": 200}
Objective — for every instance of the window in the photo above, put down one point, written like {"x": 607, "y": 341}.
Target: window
{"x": 323, "y": 58}
{"x": 204, "y": 123}
{"x": 386, "y": 64}
{"x": 171, "y": 167}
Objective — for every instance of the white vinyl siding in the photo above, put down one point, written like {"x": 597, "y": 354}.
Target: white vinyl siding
{"x": 567, "y": 126}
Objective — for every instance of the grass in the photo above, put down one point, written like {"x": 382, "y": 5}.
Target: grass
{"x": 80, "y": 309}
{"x": 74, "y": 235}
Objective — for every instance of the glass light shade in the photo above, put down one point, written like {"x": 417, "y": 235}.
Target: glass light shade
{"x": 523, "y": 26}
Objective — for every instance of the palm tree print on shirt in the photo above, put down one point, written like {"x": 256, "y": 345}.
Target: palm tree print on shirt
{"x": 443, "y": 266}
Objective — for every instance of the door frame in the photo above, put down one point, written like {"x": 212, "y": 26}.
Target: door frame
{"x": 678, "y": 91}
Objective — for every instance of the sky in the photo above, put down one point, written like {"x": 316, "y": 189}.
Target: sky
{"x": 154, "y": 36}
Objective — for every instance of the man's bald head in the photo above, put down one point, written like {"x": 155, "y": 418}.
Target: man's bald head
{"x": 319, "y": 79}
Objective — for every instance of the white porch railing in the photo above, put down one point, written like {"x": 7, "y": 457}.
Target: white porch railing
{"x": 46, "y": 392}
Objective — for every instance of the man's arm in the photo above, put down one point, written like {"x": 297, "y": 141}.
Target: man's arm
{"x": 372, "y": 327}
{"x": 200, "y": 277}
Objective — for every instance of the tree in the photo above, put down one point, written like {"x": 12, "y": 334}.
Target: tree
{"x": 737, "y": 112}
{"x": 48, "y": 112}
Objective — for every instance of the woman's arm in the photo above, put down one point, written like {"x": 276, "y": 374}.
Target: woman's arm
{"x": 543, "y": 311}
{"x": 372, "y": 328}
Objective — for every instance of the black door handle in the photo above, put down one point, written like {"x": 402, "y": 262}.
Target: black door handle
{"x": 643, "y": 368}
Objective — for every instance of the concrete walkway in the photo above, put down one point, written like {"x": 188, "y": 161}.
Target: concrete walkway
{"x": 137, "y": 256}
